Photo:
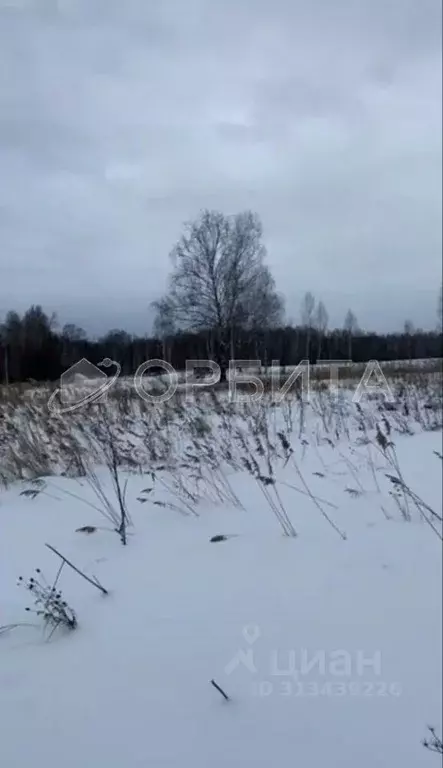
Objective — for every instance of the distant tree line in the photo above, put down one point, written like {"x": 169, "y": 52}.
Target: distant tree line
{"x": 33, "y": 347}
{"x": 221, "y": 304}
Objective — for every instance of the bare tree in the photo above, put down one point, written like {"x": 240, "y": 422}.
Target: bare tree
{"x": 440, "y": 310}
{"x": 4, "y": 353}
{"x": 408, "y": 329}
{"x": 351, "y": 328}
{"x": 71, "y": 337}
{"x": 23, "y": 338}
{"x": 220, "y": 282}
{"x": 37, "y": 326}
{"x": 164, "y": 327}
{"x": 321, "y": 320}
{"x": 307, "y": 318}
{"x": 71, "y": 333}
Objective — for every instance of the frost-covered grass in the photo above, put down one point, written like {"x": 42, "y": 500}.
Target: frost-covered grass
{"x": 317, "y": 608}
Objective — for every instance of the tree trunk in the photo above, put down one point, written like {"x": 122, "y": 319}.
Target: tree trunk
{"x": 6, "y": 366}
{"x": 319, "y": 346}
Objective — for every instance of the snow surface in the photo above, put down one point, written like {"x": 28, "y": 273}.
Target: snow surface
{"x": 329, "y": 649}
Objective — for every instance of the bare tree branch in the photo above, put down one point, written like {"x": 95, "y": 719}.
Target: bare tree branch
{"x": 220, "y": 282}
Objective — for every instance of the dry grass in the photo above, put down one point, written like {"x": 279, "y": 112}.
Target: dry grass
{"x": 189, "y": 446}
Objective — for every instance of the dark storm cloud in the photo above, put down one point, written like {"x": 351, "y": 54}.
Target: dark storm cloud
{"x": 119, "y": 120}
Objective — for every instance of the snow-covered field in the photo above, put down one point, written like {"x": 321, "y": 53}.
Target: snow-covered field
{"x": 327, "y": 642}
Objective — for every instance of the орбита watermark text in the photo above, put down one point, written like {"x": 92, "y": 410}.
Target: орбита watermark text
{"x": 85, "y": 383}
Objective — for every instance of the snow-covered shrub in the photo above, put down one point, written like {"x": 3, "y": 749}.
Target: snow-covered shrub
{"x": 49, "y": 603}
{"x": 433, "y": 742}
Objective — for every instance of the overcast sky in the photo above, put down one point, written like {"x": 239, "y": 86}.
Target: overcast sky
{"x": 120, "y": 119}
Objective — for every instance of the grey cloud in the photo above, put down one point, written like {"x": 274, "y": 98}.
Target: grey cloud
{"x": 118, "y": 121}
